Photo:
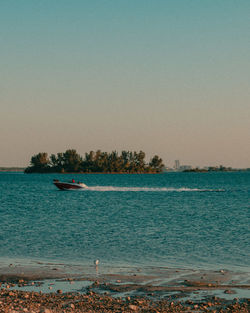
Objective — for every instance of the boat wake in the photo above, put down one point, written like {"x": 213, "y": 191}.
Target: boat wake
{"x": 149, "y": 189}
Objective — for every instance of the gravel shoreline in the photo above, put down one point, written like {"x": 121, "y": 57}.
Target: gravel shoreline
{"x": 13, "y": 301}
{"x": 54, "y": 288}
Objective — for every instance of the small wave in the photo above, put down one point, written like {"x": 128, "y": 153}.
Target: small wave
{"x": 150, "y": 189}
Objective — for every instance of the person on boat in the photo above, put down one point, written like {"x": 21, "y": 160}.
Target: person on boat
{"x": 73, "y": 181}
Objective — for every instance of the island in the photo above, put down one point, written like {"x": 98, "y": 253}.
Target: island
{"x": 95, "y": 162}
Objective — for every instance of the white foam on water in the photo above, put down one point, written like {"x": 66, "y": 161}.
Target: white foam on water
{"x": 149, "y": 189}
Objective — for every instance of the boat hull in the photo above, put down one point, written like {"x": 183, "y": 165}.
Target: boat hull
{"x": 69, "y": 186}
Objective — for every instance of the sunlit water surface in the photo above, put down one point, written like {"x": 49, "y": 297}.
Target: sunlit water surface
{"x": 195, "y": 220}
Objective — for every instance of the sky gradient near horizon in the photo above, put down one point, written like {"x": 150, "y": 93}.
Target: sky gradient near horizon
{"x": 167, "y": 77}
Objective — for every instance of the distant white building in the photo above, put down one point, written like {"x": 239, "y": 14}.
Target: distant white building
{"x": 177, "y": 165}
{"x": 185, "y": 167}
{"x": 167, "y": 169}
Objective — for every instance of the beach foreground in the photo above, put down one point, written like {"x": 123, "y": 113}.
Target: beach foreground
{"x": 51, "y": 287}
{"x": 20, "y": 301}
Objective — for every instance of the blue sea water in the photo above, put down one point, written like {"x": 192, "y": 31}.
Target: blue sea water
{"x": 195, "y": 220}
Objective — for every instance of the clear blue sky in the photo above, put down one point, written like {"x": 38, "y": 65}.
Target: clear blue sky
{"x": 168, "y": 77}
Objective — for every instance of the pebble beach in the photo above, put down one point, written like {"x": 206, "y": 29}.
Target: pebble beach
{"x": 51, "y": 289}
{"x": 18, "y": 301}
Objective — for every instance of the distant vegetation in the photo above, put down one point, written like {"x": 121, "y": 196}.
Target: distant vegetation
{"x": 12, "y": 169}
{"x": 220, "y": 168}
{"x": 94, "y": 162}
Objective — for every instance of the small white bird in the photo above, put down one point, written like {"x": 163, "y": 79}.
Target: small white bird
{"x": 96, "y": 262}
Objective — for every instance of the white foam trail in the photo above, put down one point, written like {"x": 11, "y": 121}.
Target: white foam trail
{"x": 148, "y": 189}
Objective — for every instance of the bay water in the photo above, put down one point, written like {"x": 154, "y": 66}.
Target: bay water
{"x": 190, "y": 220}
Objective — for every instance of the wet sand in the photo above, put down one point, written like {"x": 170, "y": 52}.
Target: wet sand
{"x": 51, "y": 287}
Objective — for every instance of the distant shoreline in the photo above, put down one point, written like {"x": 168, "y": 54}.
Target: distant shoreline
{"x": 12, "y": 169}
{"x": 22, "y": 169}
{"x": 216, "y": 170}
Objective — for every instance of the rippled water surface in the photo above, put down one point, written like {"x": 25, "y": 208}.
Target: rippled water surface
{"x": 173, "y": 219}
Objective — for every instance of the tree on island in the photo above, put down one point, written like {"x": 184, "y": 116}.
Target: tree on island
{"x": 94, "y": 162}
{"x": 156, "y": 164}
{"x": 39, "y": 163}
{"x": 69, "y": 161}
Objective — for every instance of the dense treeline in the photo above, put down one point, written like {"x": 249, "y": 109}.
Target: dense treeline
{"x": 94, "y": 162}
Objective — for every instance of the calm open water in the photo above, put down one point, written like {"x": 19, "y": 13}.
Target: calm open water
{"x": 174, "y": 219}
